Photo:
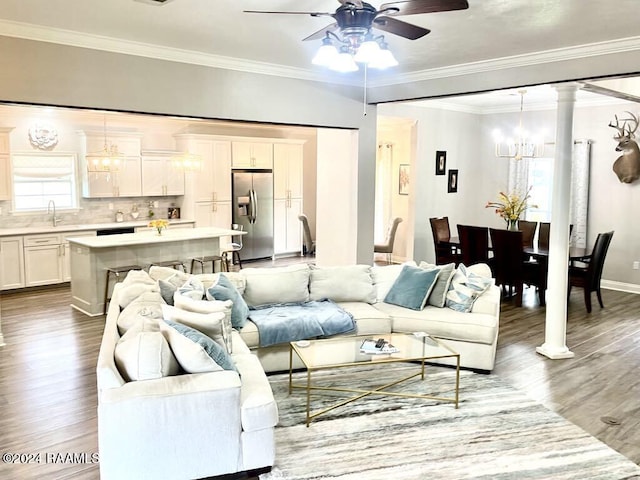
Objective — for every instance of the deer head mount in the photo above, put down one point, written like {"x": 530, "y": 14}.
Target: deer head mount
{"x": 627, "y": 166}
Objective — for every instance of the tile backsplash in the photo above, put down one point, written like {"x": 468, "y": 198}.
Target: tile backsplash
{"x": 92, "y": 210}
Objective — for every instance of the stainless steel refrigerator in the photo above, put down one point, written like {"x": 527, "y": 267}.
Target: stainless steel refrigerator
{"x": 252, "y": 193}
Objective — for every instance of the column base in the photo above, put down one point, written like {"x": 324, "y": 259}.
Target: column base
{"x": 554, "y": 353}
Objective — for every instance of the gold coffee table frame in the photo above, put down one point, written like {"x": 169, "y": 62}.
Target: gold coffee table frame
{"x": 346, "y": 352}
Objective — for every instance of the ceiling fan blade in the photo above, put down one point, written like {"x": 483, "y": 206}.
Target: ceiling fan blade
{"x": 313, "y": 14}
{"x": 400, "y": 28}
{"x": 322, "y": 33}
{"x": 414, "y": 7}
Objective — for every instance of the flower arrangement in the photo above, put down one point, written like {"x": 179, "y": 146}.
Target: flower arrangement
{"x": 511, "y": 206}
{"x": 159, "y": 224}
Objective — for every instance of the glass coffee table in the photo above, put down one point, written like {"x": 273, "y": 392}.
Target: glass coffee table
{"x": 344, "y": 352}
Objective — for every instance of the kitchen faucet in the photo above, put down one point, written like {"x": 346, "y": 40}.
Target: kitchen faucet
{"x": 54, "y": 218}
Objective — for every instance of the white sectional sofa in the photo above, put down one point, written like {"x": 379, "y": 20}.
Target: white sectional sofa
{"x": 175, "y": 406}
{"x": 474, "y": 335}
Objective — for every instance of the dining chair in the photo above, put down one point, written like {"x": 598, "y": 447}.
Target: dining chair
{"x": 390, "y": 238}
{"x": 528, "y": 232}
{"x": 588, "y": 277}
{"x": 507, "y": 262}
{"x": 474, "y": 244}
{"x": 309, "y": 243}
{"x": 232, "y": 249}
{"x": 543, "y": 234}
{"x": 445, "y": 252}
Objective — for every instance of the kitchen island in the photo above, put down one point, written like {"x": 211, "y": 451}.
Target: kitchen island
{"x": 91, "y": 256}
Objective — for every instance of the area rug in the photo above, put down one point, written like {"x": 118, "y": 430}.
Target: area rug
{"x": 496, "y": 433}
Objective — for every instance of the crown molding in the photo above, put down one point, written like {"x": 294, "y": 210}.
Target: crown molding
{"x": 515, "y": 61}
{"x": 109, "y": 44}
{"x": 127, "y": 47}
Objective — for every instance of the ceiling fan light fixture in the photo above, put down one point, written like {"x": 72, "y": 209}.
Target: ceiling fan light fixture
{"x": 384, "y": 58}
{"x": 344, "y": 62}
{"x": 368, "y": 50}
{"x": 326, "y": 54}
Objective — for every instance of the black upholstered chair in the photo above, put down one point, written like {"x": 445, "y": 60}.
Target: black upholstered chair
{"x": 588, "y": 277}
{"x": 474, "y": 244}
{"x": 445, "y": 252}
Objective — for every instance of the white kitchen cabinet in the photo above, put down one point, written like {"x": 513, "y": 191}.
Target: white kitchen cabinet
{"x": 11, "y": 262}
{"x": 252, "y": 154}
{"x": 160, "y": 175}
{"x": 287, "y": 193}
{"x": 287, "y": 228}
{"x": 207, "y": 196}
{"x": 126, "y": 181}
{"x": 213, "y": 214}
{"x": 5, "y": 164}
{"x": 43, "y": 259}
{"x": 287, "y": 170}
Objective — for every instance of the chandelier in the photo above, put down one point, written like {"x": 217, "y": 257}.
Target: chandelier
{"x": 106, "y": 160}
{"x": 357, "y": 45}
{"x": 521, "y": 145}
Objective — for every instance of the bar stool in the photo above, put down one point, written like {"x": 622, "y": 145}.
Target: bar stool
{"x": 233, "y": 249}
{"x": 116, "y": 271}
{"x": 175, "y": 264}
{"x": 209, "y": 258}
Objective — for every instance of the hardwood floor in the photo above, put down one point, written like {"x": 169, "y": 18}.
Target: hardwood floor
{"x": 48, "y": 392}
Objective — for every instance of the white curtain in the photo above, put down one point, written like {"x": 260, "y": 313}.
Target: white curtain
{"x": 580, "y": 163}
{"x": 519, "y": 181}
{"x": 384, "y": 182}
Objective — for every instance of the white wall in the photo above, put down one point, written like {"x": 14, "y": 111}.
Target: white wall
{"x": 337, "y": 213}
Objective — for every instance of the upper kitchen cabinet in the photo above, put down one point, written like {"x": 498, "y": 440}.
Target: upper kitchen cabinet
{"x": 5, "y": 164}
{"x": 160, "y": 174}
{"x": 124, "y": 179}
{"x": 252, "y": 154}
{"x": 207, "y": 196}
{"x": 287, "y": 170}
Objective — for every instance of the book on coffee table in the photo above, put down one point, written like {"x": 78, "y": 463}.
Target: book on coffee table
{"x": 377, "y": 347}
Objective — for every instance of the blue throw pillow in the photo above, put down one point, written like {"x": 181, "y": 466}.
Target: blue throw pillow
{"x": 412, "y": 287}
{"x": 193, "y": 356}
{"x": 225, "y": 290}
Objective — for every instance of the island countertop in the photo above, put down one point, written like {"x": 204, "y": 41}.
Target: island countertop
{"x": 151, "y": 237}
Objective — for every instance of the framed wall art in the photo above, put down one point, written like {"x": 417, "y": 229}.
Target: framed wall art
{"x": 403, "y": 179}
{"x": 453, "y": 181}
{"x": 441, "y": 162}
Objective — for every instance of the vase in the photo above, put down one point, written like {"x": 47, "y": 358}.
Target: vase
{"x": 512, "y": 225}
{"x": 159, "y": 229}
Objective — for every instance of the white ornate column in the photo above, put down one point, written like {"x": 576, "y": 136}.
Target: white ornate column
{"x": 554, "y": 345}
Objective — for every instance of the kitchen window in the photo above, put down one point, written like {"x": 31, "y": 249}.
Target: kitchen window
{"x": 39, "y": 178}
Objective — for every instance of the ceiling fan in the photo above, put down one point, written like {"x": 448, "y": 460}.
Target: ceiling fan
{"x": 355, "y": 18}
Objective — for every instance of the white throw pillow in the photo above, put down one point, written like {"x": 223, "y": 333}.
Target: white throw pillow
{"x": 438, "y": 295}
{"x": 208, "y": 323}
{"x": 201, "y": 306}
{"x": 147, "y": 305}
{"x": 195, "y": 352}
{"x": 210, "y": 279}
{"x": 176, "y": 277}
{"x": 466, "y": 287}
{"x": 265, "y": 286}
{"x": 138, "y": 276}
{"x": 130, "y": 291}
{"x": 384, "y": 276}
{"x": 144, "y": 354}
{"x": 350, "y": 283}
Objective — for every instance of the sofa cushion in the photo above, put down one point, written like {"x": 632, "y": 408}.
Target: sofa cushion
{"x": 369, "y": 320}
{"x": 350, "y": 283}
{"x": 466, "y": 287}
{"x": 412, "y": 287}
{"x": 443, "y": 323}
{"x": 266, "y": 286}
{"x": 147, "y": 305}
{"x": 201, "y": 306}
{"x": 383, "y": 277}
{"x": 225, "y": 290}
{"x": 143, "y": 353}
{"x": 438, "y": 295}
{"x": 195, "y": 352}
